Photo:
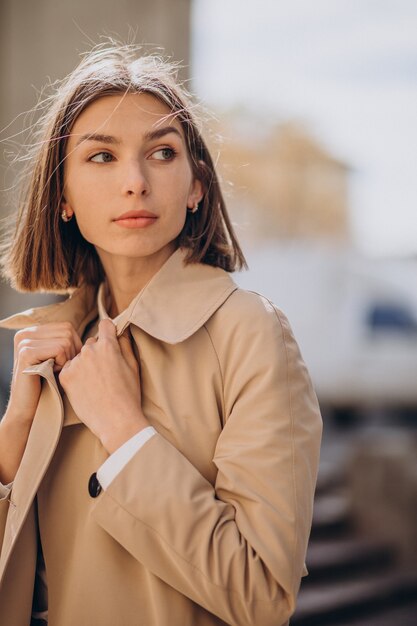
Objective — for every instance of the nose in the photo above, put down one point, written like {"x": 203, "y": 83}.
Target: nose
{"x": 135, "y": 182}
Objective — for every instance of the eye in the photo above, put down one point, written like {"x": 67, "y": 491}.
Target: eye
{"x": 101, "y": 157}
{"x": 167, "y": 154}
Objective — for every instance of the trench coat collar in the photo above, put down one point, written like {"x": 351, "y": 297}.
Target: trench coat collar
{"x": 172, "y": 306}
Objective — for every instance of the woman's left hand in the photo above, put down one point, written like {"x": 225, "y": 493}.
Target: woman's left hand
{"x": 103, "y": 386}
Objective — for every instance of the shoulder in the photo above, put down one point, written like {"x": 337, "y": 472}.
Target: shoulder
{"x": 251, "y": 311}
{"x": 256, "y": 349}
{"x": 249, "y": 323}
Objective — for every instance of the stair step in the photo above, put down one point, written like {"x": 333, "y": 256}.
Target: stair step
{"x": 320, "y": 604}
{"x": 405, "y": 615}
{"x": 344, "y": 558}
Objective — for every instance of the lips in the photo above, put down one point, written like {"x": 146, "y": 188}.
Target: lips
{"x": 134, "y": 220}
{"x": 136, "y": 214}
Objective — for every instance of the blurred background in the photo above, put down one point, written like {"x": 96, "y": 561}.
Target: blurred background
{"x": 313, "y": 127}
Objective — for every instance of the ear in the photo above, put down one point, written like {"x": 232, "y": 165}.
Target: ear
{"x": 196, "y": 193}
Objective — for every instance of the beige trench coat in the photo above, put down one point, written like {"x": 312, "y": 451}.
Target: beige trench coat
{"x": 208, "y": 523}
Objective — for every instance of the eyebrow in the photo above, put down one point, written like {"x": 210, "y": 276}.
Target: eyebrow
{"x": 150, "y": 135}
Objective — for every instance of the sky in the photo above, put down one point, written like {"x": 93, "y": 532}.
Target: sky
{"x": 345, "y": 68}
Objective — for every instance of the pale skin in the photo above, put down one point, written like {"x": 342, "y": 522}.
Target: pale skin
{"x": 113, "y": 165}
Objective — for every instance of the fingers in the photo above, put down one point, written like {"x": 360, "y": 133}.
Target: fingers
{"x": 53, "y": 331}
{"x": 32, "y": 351}
{"x": 61, "y": 341}
{"x": 34, "y": 344}
{"x": 106, "y": 330}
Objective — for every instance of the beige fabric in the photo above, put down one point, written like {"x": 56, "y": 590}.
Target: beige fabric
{"x": 208, "y": 523}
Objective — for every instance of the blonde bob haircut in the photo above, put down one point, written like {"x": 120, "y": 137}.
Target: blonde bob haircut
{"x": 41, "y": 252}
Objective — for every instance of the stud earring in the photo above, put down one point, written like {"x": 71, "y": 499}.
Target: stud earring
{"x": 65, "y": 217}
{"x": 195, "y": 208}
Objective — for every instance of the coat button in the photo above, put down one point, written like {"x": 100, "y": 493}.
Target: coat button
{"x": 94, "y": 486}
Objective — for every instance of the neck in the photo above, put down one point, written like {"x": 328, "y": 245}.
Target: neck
{"x": 126, "y": 277}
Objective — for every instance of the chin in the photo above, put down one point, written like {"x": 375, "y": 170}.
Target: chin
{"x": 139, "y": 250}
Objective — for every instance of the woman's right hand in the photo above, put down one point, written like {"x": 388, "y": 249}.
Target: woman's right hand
{"x": 32, "y": 345}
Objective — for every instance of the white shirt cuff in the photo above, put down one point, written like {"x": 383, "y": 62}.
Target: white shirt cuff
{"x": 120, "y": 457}
{"x": 5, "y": 490}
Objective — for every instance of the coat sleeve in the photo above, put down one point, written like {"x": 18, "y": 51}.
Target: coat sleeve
{"x": 236, "y": 548}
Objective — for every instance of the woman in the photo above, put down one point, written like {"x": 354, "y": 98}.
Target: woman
{"x": 159, "y": 451}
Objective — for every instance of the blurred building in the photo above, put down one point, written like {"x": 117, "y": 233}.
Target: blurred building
{"x": 284, "y": 184}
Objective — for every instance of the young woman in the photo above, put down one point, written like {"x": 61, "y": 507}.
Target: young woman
{"x": 160, "y": 447}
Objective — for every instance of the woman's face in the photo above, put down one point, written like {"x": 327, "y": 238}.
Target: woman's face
{"x": 122, "y": 156}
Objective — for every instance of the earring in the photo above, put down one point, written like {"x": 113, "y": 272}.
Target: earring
{"x": 195, "y": 208}
{"x": 65, "y": 217}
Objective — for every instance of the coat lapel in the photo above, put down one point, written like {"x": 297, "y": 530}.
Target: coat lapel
{"x": 43, "y": 439}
